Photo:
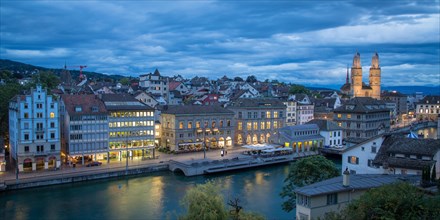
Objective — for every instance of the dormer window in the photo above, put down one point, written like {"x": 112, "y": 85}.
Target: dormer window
{"x": 78, "y": 109}
{"x": 94, "y": 109}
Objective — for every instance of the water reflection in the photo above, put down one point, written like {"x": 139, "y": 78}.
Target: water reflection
{"x": 428, "y": 133}
{"x": 154, "y": 196}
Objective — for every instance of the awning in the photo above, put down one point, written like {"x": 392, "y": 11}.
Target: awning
{"x": 278, "y": 149}
{"x": 183, "y": 144}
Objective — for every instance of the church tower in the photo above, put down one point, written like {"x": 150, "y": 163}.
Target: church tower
{"x": 375, "y": 76}
{"x": 356, "y": 76}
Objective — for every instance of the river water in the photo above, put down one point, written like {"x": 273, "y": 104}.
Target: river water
{"x": 153, "y": 196}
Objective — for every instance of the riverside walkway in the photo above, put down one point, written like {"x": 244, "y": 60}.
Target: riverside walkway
{"x": 213, "y": 162}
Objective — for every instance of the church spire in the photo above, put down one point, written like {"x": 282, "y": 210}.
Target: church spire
{"x": 346, "y": 79}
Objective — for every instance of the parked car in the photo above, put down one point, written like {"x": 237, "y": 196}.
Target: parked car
{"x": 94, "y": 163}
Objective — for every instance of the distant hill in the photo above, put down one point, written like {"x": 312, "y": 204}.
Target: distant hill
{"x": 27, "y": 70}
{"x": 409, "y": 90}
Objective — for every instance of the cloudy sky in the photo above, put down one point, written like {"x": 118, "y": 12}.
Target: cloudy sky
{"x": 304, "y": 42}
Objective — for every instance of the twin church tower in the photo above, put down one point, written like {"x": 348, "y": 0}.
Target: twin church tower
{"x": 357, "y": 88}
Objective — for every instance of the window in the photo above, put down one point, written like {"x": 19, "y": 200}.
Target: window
{"x": 26, "y": 106}
{"x": 190, "y": 124}
{"x": 198, "y": 124}
{"x": 363, "y": 148}
{"x": 181, "y": 135}
{"x": 353, "y": 160}
{"x": 229, "y": 123}
{"x": 268, "y": 114}
{"x": 332, "y": 199}
{"x": 275, "y": 114}
{"x": 52, "y": 105}
{"x": 255, "y": 125}
{"x": 39, "y": 105}
{"x": 255, "y": 114}
{"x": 26, "y": 148}
{"x": 240, "y": 126}
{"x": 275, "y": 124}
{"x": 39, "y": 115}
{"x": 249, "y": 115}
{"x": 52, "y": 124}
{"x": 240, "y": 114}
{"x": 262, "y": 114}
{"x": 268, "y": 125}
{"x": 52, "y": 147}
{"x": 26, "y": 125}
{"x": 52, "y": 135}
{"x": 26, "y": 137}
{"x": 221, "y": 124}
{"x": 180, "y": 125}
{"x": 339, "y": 116}
{"x": 249, "y": 126}
{"x": 26, "y": 115}
{"x": 348, "y": 116}
{"x": 262, "y": 125}
{"x": 52, "y": 115}
{"x": 373, "y": 149}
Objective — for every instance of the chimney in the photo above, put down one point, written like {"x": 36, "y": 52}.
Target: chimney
{"x": 346, "y": 178}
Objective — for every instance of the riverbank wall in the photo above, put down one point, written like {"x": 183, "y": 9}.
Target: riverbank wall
{"x": 79, "y": 177}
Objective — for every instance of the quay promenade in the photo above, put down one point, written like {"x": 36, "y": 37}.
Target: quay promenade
{"x": 214, "y": 162}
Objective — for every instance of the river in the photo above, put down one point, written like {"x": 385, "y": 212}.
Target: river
{"x": 154, "y": 196}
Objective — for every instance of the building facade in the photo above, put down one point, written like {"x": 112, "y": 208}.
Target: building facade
{"x": 257, "y": 119}
{"x": 331, "y": 132}
{"x": 131, "y": 127}
{"x": 155, "y": 84}
{"x": 192, "y": 127}
{"x": 34, "y": 131}
{"x": 301, "y": 138}
{"x": 363, "y": 117}
{"x": 291, "y": 107}
{"x": 84, "y": 128}
{"x": 400, "y": 100}
{"x": 428, "y": 108}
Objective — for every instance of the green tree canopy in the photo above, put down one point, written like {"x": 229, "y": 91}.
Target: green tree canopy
{"x": 303, "y": 172}
{"x": 125, "y": 81}
{"x": 251, "y": 79}
{"x": 297, "y": 89}
{"x": 238, "y": 79}
{"x": 205, "y": 201}
{"x": 393, "y": 201}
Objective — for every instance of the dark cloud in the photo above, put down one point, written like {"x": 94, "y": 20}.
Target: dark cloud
{"x": 307, "y": 42}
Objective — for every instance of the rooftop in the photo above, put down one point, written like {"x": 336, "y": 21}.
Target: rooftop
{"x": 357, "y": 182}
{"x": 325, "y": 125}
{"x": 196, "y": 110}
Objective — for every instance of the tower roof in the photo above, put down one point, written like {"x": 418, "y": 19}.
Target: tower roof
{"x": 357, "y": 60}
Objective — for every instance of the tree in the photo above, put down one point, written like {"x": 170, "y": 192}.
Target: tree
{"x": 394, "y": 201}
{"x": 296, "y": 89}
{"x": 7, "y": 91}
{"x": 251, "y": 79}
{"x": 205, "y": 201}
{"x": 125, "y": 81}
{"x": 47, "y": 79}
{"x": 238, "y": 79}
{"x": 303, "y": 172}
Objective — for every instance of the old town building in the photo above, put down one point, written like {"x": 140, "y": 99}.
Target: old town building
{"x": 257, "y": 119}
{"x": 363, "y": 117}
{"x": 187, "y": 128}
{"x": 34, "y": 133}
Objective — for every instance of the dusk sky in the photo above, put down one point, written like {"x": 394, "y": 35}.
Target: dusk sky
{"x": 303, "y": 42}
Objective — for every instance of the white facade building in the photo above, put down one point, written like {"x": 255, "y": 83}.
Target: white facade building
{"x": 290, "y": 112}
{"x": 34, "y": 131}
{"x": 359, "y": 158}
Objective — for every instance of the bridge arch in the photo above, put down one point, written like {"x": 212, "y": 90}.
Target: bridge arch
{"x": 178, "y": 170}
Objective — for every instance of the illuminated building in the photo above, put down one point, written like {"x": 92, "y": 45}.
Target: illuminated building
{"x": 256, "y": 120}
{"x": 428, "y": 108}
{"x": 184, "y": 128}
{"x": 131, "y": 127}
{"x": 301, "y": 138}
{"x": 84, "y": 124}
{"x": 34, "y": 135}
{"x": 363, "y": 117}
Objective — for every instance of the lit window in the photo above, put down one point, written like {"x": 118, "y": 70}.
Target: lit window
{"x": 348, "y": 115}
{"x": 249, "y": 126}
{"x": 267, "y": 114}
{"x": 353, "y": 160}
{"x": 262, "y": 125}
{"x": 240, "y": 126}
{"x": 180, "y": 125}
{"x": 275, "y": 115}
{"x": 190, "y": 124}
{"x": 52, "y": 115}
{"x": 339, "y": 116}
{"x": 255, "y": 125}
